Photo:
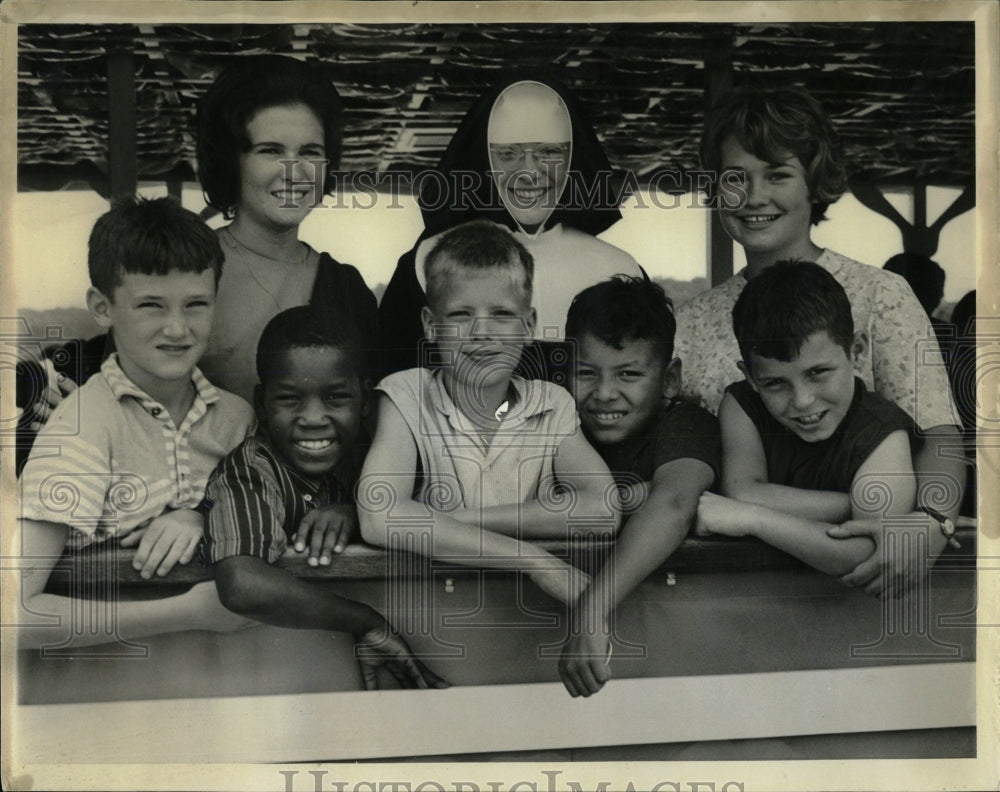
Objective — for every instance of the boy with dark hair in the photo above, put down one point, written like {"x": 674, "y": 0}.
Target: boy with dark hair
{"x": 802, "y": 436}
{"x": 475, "y": 456}
{"x": 294, "y": 481}
{"x": 664, "y": 453}
{"x": 136, "y": 443}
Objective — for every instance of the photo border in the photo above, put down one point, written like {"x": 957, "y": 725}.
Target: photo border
{"x": 20, "y": 771}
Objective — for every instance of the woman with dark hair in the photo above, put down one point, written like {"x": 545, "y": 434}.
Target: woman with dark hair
{"x": 525, "y": 157}
{"x": 269, "y": 136}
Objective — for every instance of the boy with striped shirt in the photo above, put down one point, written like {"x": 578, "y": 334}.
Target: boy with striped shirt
{"x": 290, "y": 487}
{"x": 126, "y": 456}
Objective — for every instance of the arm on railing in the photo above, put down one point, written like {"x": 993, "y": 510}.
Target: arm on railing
{"x": 361, "y": 561}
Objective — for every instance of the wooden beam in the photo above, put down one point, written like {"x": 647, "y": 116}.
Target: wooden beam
{"x": 920, "y": 204}
{"x": 360, "y": 561}
{"x": 718, "y": 80}
{"x": 122, "y": 162}
{"x": 175, "y": 185}
{"x": 428, "y": 722}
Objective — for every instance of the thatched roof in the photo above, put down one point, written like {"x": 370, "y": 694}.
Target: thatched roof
{"x": 902, "y": 94}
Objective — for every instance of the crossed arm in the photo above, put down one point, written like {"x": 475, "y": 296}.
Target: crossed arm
{"x": 801, "y": 527}
{"x": 480, "y": 538}
{"x": 744, "y": 473}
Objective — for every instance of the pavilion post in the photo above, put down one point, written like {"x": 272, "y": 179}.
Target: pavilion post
{"x": 122, "y": 163}
{"x": 718, "y": 80}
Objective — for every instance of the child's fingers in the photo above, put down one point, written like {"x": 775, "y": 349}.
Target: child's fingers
{"x": 146, "y": 544}
{"x": 320, "y": 529}
{"x": 369, "y": 676}
{"x": 431, "y": 679}
{"x": 66, "y": 385}
{"x": 305, "y": 528}
{"x": 571, "y": 680}
{"x": 174, "y": 552}
{"x": 876, "y": 587}
{"x": 158, "y": 551}
{"x": 189, "y": 551}
{"x": 41, "y": 410}
{"x": 589, "y": 677}
{"x": 333, "y": 542}
{"x": 570, "y": 684}
{"x": 421, "y": 676}
{"x": 132, "y": 539}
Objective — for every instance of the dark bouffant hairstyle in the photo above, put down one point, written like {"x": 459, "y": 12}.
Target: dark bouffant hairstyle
{"x": 304, "y": 327}
{"x": 477, "y": 245}
{"x": 251, "y": 84}
{"x": 773, "y": 123}
{"x": 622, "y": 309}
{"x": 150, "y": 238}
{"x": 784, "y": 305}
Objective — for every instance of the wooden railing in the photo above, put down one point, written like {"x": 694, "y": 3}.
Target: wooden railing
{"x": 360, "y": 561}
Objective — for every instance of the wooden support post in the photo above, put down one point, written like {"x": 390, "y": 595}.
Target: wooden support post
{"x": 920, "y": 204}
{"x": 122, "y": 163}
{"x": 175, "y": 185}
{"x": 718, "y": 80}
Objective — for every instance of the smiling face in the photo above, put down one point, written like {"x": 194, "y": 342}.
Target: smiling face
{"x": 161, "y": 324}
{"x": 311, "y": 408}
{"x": 619, "y": 392}
{"x": 811, "y": 394}
{"x": 480, "y": 321}
{"x": 765, "y": 206}
{"x": 530, "y": 138}
{"x": 280, "y": 176}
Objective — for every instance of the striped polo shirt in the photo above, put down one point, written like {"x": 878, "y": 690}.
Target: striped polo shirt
{"x": 256, "y": 502}
{"x": 111, "y": 458}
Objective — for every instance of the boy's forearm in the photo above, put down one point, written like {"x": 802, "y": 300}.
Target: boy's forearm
{"x": 99, "y": 622}
{"x": 46, "y": 619}
{"x": 940, "y": 466}
{"x": 535, "y": 519}
{"x": 818, "y": 505}
{"x": 417, "y": 529}
{"x": 251, "y": 587}
{"x": 808, "y": 541}
{"x": 646, "y": 541}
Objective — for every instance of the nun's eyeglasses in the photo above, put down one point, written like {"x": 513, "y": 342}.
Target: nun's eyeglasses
{"x": 548, "y": 153}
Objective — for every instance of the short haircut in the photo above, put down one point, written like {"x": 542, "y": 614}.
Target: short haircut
{"x": 925, "y": 276}
{"x": 251, "y": 84}
{"x": 305, "y": 327}
{"x": 623, "y": 309}
{"x": 479, "y": 245}
{"x": 771, "y": 124}
{"x": 149, "y": 238}
{"x": 784, "y": 305}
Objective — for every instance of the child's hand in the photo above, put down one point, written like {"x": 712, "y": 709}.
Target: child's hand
{"x": 585, "y": 665}
{"x": 166, "y": 540}
{"x": 883, "y": 574}
{"x": 327, "y": 530}
{"x": 208, "y": 613}
{"x": 57, "y": 387}
{"x": 723, "y": 516}
{"x": 565, "y": 583}
{"x": 381, "y": 647}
